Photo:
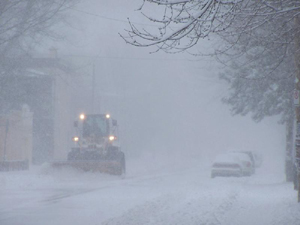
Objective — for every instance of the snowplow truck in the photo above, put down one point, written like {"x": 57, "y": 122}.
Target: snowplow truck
{"x": 96, "y": 146}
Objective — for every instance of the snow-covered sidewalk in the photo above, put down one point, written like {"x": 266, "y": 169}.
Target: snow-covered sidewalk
{"x": 170, "y": 194}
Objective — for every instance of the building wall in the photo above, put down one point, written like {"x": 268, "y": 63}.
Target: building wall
{"x": 16, "y": 136}
{"x": 44, "y": 85}
{"x": 63, "y": 120}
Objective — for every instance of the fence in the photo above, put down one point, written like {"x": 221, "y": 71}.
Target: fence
{"x": 16, "y": 140}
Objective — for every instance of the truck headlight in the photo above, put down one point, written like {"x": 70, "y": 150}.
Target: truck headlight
{"x": 75, "y": 139}
{"x": 112, "y": 138}
{"x": 82, "y": 116}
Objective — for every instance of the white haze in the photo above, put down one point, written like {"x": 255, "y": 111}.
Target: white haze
{"x": 172, "y": 125}
{"x": 167, "y": 106}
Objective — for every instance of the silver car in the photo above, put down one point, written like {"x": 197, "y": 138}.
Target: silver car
{"x": 227, "y": 165}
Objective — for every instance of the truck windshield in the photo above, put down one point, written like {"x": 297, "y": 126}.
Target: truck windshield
{"x": 96, "y": 125}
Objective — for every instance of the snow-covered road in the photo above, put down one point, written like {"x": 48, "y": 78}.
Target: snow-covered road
{"x": 177, "y": 194}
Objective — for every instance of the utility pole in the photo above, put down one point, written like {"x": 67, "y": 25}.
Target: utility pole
{"x": 5, "y": 140}
{"x": 93, "y": 88}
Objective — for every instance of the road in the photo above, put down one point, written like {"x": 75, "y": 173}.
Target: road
{"x": 171, "y": 195}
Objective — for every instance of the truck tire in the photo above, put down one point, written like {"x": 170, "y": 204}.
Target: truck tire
{"x": 74, "y": 154}
{"x": 123, "y": 164}
{"x": 122, "y": 169}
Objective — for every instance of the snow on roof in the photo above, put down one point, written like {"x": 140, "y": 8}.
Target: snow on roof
{"x": 226, "y": 158}
{"x": 242, "y": 156}
{"x": 34, "y": 72}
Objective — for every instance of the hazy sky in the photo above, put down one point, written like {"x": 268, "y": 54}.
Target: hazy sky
{"x": 164, "y": 103}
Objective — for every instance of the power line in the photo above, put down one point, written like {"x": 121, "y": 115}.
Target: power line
{"x": 112, "y": 19}
{"x": 127, "y": 58}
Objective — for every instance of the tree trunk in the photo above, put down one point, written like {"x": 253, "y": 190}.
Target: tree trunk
{"x": 297, "y": 141}
{"x": 289, "y": 150}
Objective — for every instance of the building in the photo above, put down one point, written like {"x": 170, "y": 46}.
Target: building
{"x": 43, "y": 84}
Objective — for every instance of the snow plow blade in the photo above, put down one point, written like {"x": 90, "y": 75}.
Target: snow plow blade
{"x": 112, "y": 167}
